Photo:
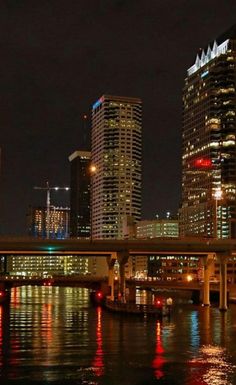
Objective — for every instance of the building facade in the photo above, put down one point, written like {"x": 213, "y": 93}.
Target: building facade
{"x": 80, "y": 194}
{"x": 47, "y": 265}
{"x": 208, "y": 205}
{"x": 143, "y": 266}
{"x": 44, "y": 265}
{"x": 116, "y": 155}
{"x": 157, "y": 228}
{"x": 57, "y": 227}
{"x": 172, "y": 267}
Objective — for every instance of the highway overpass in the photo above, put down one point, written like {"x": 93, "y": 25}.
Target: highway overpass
{"x": 24, "y": 246}
{"x": 120, "y": 250}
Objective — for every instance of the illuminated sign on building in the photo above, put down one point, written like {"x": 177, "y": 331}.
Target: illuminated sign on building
{"x": 98, "y": 102}
{"x": 206, "y": 57}
{"x": 203, "y": 163}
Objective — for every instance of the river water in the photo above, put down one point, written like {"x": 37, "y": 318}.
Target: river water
{"x": 52, "y": 335}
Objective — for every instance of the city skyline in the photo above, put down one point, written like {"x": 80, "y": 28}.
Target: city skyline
{"x": 54, "y": 67}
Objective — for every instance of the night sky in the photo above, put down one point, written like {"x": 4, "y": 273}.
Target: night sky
{"x": 58, "y": 57}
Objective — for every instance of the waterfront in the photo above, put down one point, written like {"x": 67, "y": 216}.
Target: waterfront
{"x": 52, "y": 335}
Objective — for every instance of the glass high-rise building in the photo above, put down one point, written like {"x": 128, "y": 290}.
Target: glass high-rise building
{"x": 80, "y": 194}
{"x": 116, "y": 155}
{"x": 208, "y": 141}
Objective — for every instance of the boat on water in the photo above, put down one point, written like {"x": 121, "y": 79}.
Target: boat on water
{"x": 159, "y": 310}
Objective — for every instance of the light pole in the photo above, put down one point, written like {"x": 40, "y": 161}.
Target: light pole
{"x": 217, "y": 196}
{"x": 92, "y": 170}
{"x": 48, "y": 189}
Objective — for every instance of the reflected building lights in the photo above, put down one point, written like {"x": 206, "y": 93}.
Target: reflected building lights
{"x": 47, "y": 323}
{"x": 15, "y": 297}
{"x": 206, "y": 326}
{"x": 195, "y": 339}
{"x": 219, "y": 368}
{"x": 159, "y": 360}
{"x": 98, "y": 363}
{"x": 212, "y": 366}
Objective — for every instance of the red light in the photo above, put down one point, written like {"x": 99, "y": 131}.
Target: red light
{"x": 203, "y": 163}
{"x": 1, "y": 293}
{"x": 158, "y": 302}
{"x": 99, "y": 294}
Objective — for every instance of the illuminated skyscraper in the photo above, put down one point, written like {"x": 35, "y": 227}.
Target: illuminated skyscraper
{"x": 208, "y": 142}
{"x": 80, "y": 194}
{"x": 116, "y": 155}
{"x": 58, "y": 222}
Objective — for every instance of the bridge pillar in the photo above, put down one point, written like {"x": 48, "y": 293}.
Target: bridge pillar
{"x": 206, "y": 286}
{"x": 122, "y": 259}
{"x": 122, "y": 282}
{"x": 223, "y": 284}
{"x": 111, "y": 261}
{"x": 206, "y": 283}
{"x": 111, "y": 282}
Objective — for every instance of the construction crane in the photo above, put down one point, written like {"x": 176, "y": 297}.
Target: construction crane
{"x": 48, "y": 189}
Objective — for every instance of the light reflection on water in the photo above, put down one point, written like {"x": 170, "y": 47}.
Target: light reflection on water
{"x": 158, "y": 360}
{"x": 215, "y": 367}
{"x": 52, "y": 335}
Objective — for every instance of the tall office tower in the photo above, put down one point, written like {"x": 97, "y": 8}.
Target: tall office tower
{"x": 80, "y": 194}
{"x": 116, "y": 156}
{"x": 58, "y": 222}
{"x": 208, "y": 142}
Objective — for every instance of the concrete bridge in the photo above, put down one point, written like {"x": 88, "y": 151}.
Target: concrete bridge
{"x": 119, "y": 250}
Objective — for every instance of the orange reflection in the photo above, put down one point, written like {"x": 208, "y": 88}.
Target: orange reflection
{"x": 98, "y": 363}
{"x": 212, "y": 366}
{"x": 47, "y": 322}
{"x": 15, "y": 297}
{"x": 158, "y": 360}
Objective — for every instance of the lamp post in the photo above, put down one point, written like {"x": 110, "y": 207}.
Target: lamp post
{"x": 217, "y": 196}
{"x": 92, "y": 170}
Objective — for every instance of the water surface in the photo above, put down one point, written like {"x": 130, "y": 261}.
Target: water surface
{"x": 52, "y": 335}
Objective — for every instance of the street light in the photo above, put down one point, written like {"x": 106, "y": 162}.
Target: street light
{"x": 189, "y": 278}
{"x": 92, "y": 170}
{"x": 217, "y": 196}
